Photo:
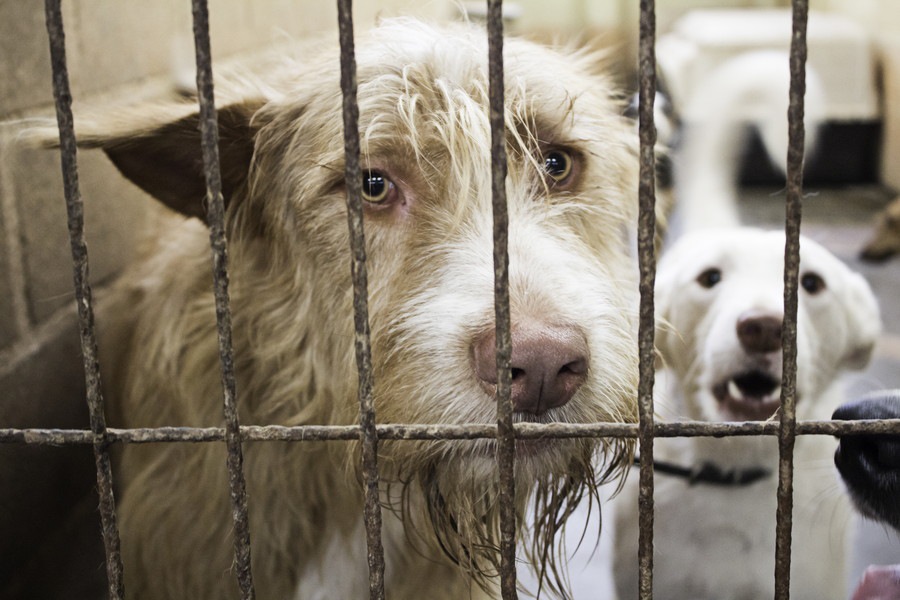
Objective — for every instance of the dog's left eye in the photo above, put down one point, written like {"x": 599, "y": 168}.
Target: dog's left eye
{"x": 812, "y": 283}
{"x": 709, "y": 277}
{"x": 558, "y": 165}
{"x": 376, "y": 188}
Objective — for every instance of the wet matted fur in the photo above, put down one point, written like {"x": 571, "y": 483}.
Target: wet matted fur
{"x": 424, "y": 130}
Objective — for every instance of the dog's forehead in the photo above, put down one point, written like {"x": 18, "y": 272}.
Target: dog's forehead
{"x": 446, "y": 69}
{"x": 744, "y": 248}
{"x": 725, "y": 249}
{"x": 458, "y": 53}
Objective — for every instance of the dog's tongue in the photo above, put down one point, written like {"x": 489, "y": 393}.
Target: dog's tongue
{"x": 879, "y": 582}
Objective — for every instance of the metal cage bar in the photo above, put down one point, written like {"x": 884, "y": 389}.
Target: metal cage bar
{"x": 647, "y": 266}
{"x": 209, "y": 132}
{"x": 83, "y": 299}
{"x": 506, "y": 441}
{"x": 788, "y": 423}
{"x": 368, "y": 434}
{"x": 474, "y": 431}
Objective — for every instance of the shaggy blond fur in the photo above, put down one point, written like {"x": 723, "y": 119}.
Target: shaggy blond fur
{"x": 424, "y": 126}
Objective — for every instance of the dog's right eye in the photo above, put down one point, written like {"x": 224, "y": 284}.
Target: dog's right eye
{"x": 709, "y": 277}
{"x": 376, "y": 188}
{"x": 558, "y": 165}
{"x": 812, "y": 283}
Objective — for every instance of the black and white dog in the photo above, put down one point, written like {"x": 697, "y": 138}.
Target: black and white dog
{"x": 870, "y": 467}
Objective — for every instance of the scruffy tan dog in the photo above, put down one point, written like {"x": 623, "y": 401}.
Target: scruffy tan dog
{"x": 425, "y": 139}
{"x": 885, "y": 239}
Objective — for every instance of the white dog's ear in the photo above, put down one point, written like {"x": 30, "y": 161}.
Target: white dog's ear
{"x": 158, "y": 148}
{"x": 864, "y": 319}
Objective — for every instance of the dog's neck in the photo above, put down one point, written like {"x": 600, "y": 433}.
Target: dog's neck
{"x": 733, "y": 457}
{"x": 707, "y": 473}
{"x": 719, "y": 457}
{"x": 730, "y": 454}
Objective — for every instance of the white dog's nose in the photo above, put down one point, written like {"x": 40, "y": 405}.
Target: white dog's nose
{"x": 759, "y": 331}
{"x": 549, "y": 364}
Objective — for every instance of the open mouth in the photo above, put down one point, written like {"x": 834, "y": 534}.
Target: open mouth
{"x": 750, "y": 396}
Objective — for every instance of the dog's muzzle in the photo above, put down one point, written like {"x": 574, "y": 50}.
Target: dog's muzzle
{"x": 870, "y": 464}
{"x": 750, "y": 396}
{"x": 549, "y": 363}
{"x": 754, "y": 392}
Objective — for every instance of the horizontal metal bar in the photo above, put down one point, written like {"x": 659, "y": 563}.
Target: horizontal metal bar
{"x": 318, "y": 433}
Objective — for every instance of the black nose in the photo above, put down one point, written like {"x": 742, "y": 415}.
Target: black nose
{"x": 870, "y": 463}
{"x": 759, "y": 332}
{"x": 549, "y": 363}
{"x": 884, "y": 449}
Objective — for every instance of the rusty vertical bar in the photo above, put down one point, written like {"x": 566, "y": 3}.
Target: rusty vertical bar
{"x": 215, "y": 211}
{"x": 353, "y": 179}
{"x": 506, "y": 441}
{"x": 75, "y": 209}
{"x": 647, "y": 265}
{"x": 788, "y": 425}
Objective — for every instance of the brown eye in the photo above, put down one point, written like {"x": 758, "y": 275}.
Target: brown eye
{"x": 558, "y": 165}
{"x": 376, "y": 187}
{"x": 709, "y": 277}
{"x": 812, "y": 283}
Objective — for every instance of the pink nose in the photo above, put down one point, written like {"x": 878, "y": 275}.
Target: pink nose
{"x": 549, "y": 364}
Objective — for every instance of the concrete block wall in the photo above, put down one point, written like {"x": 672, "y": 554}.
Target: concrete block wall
{"x": 117, "y": 52}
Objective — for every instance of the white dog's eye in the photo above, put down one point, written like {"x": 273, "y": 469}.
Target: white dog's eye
{"x": 709, "y": 277}
{"x": 812, "y": 283}
{"x": 558, "y": 165}
{"x": 376, "y": 188}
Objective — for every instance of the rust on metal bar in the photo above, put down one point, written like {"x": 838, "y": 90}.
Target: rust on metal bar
{"x": 647, "y": 265}
{"x": 75, "y": 209}
{"x": 368, "y": 434}
{"x": 470, "y": 431}
{"x": 215, "y": 210}
{"x": 506, "y": 441}
{"x": 788, "y": 426}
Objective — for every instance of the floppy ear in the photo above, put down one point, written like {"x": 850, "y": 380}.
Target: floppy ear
{"x": 864, "y": 318}
{"x": 158, "y": 148}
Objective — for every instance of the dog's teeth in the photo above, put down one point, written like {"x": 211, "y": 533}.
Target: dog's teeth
{"x": 734, "y": 391}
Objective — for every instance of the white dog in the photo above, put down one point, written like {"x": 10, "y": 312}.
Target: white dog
{"x": 425, "y": 137}
{"x": 719, "y": 299}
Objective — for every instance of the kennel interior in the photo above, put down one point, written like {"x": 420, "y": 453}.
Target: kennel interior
{"x": 60, "y": 454}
